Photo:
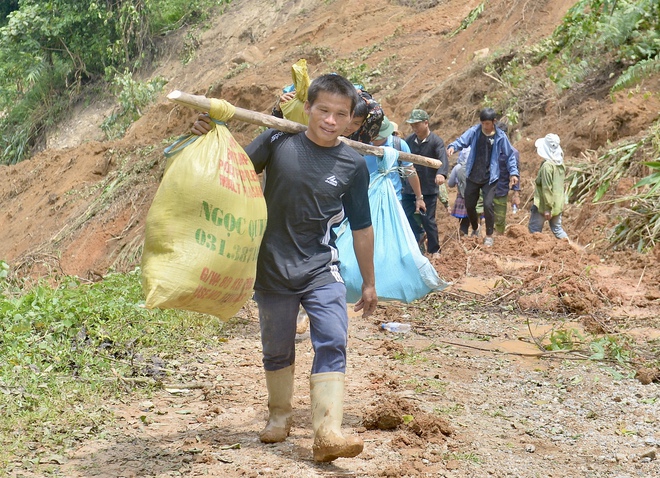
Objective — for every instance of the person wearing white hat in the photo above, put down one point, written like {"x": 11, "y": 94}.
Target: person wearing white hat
{"x": 549, "y": 187}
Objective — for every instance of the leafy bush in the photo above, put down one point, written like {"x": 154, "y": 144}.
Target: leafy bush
{"x": 166, "y": 15}
{"x": 592, "y": 31}
{"x": 33, "y": 112}
{"x": 132, "y": 96}
{"x": 48, "y": 50}
{"x": 636, "y": 72}
{"x": 639, "y": 223}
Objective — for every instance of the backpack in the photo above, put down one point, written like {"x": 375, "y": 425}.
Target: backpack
{"x": 396, "y": 144}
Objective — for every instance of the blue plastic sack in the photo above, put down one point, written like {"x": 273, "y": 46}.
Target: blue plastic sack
{"x": 402, "y": 271}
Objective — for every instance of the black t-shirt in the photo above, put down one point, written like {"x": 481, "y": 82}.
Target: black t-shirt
{"x": 480, "y": 172}
{"x": 309, "y": 190}
{"x": 431, "y": 147}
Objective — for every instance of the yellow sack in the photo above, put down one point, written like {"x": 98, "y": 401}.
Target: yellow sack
{"x": 205, "y": 226}
{"x": 294, "y": 109}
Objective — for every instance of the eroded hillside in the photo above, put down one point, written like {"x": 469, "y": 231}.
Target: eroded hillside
{"x": 79, "y": 206}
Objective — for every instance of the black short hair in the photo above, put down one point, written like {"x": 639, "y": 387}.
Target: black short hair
{"x": 361, "y": 109}
{"x": 335, "y": 84}
{"x": 487, "y": 114}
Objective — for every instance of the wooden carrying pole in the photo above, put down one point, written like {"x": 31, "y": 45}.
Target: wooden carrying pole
{"x": 202, "y": 103}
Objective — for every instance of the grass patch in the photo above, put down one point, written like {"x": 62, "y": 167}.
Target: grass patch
{"x": 470, "y": 457}
{"x": 410, "y": 356}
{"x": 65, "y": 350}
{"x": 455, "y": 409}
{"x": 423, "y": 385}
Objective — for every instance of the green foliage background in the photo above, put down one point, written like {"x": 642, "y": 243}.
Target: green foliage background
{"x": 50, "y": 49}
{"x": 597, "y": 31}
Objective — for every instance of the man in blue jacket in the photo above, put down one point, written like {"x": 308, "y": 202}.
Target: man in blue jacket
{"x": 482, "y": 169}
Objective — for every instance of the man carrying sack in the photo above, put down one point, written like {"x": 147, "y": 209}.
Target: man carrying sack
{"x": 312, "y": 180}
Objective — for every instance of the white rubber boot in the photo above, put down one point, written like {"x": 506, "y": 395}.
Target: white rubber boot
{"x": 327, "y": 396}
{"x": 280, "y": 396}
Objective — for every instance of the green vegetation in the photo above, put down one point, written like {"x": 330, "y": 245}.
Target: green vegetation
{"x": 470, "y": 19}
{"x": 562, "y": 339}
{"x": 423, "y": 385}
{"x": 190, "y": 45}
{"x": 237, "y": 70}
{"x": 639, "y": 224}
{"x": 609, "y": 348}
{"x": 358, "y": 73}
{"x": 6, "y": 7}
{"x": 67, "y": 349}
{"x": 455, "y": 409}
{"x": 598, "y": 31}
{"x": 50, "y": 50}
{"x": 132, "y": 96}
{"x": 355, "y": 67}
{"x": 636, "y": 72}
{"x": 409, "y": 356}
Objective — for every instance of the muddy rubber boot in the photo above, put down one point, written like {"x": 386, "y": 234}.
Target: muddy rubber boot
{"x": 280, "y": 395}
{"x": 327, "y": 396}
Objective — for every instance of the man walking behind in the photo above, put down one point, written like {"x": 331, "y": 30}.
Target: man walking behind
{"x": 425, "y": 143}
{"x": 487, "y": 143}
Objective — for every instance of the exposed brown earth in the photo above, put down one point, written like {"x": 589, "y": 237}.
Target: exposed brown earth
{"x": 483, "y": 401}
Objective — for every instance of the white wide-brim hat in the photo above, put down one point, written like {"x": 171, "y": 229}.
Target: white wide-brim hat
{"x": 548, "y": 148}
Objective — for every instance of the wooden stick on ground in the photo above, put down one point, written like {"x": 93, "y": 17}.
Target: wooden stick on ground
{"x": 202, "y": 103}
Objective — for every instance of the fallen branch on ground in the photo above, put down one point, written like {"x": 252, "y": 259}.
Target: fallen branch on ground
{"x": 547, "y": 354}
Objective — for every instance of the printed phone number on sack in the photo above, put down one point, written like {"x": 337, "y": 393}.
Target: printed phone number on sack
{"x": 240, "y": 253}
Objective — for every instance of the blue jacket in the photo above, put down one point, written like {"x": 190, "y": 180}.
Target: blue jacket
{"x": 501, "y": 146}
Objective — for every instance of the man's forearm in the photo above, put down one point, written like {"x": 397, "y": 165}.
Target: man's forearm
{"x": 413, "y": 180}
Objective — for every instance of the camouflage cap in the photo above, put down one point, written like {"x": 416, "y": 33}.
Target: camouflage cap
{"x": 417, "y": 115}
